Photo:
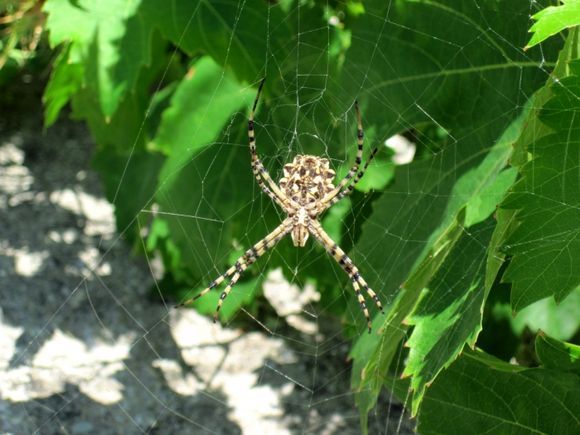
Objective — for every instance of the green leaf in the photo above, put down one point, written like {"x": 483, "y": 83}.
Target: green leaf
{"x": 440, "y": 332}
{"x": 233, "y": 34}
{"x": 480, "y": 394}
{"x": 159, "y": 239}
{"x": 545, "y": 247}
{"x": 206, "y": 179}
{"x": 252, "y": 40}
{"x": 555, "y": 354}
{"x": 107, "y": 39}
{"x": 199, "y": 109}
{"x": 554, "y": 19}
{"x": 65, "y": 81}
{"x": 421, "y": 216}
{"x": 449, "y": 314}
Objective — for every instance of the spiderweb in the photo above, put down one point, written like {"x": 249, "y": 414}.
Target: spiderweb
{"x": 99, "y": 354}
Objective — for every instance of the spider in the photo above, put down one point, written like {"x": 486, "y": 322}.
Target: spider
{"x": 304, "y": 192}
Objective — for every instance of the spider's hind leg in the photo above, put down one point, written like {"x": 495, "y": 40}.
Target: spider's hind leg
{"x": 251, "y": 256}
{"x": 348, "y": 266}
{"x": 216, "y": 282}
{"x": 245, "y": 261}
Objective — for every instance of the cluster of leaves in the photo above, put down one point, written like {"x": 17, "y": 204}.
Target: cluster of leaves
{"x": 483, "y": 225}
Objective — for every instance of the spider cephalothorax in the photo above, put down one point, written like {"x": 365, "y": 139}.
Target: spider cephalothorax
{"x": 305, "y": 191}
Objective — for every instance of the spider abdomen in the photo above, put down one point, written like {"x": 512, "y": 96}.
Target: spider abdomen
{"x": 307, "y": 179}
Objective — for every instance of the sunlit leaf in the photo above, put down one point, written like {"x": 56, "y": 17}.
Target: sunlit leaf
{"x": 107, "y": 38}
{"x": 65, "y": 81}
{"x": 554, "y": 19}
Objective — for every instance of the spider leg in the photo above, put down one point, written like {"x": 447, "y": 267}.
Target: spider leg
{"x": 258, "y": 168}
{"x": 249, "y": 257}
{"x": 358, "y": 159}
{"x": 351, "y": 186}
{"x": 348, "y": 266}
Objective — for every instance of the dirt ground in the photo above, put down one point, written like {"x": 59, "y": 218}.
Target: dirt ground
{"x": 84, "y": 348}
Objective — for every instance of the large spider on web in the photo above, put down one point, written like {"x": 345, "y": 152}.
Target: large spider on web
{"x": 305, "y": 191}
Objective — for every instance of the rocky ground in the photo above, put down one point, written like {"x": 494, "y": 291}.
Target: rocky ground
{"x": 85, "y": 349}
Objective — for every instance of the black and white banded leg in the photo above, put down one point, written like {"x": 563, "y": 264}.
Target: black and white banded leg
{"x": 358, "y": 159}
{"x": 358, "y": 283}
{"x": 351, "y": 186}
{"x": 259, "y": 170}
{"x": 247, "y": 259}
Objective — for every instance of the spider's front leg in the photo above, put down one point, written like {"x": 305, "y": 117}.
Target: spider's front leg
{"x": 348, "y": 266}
{"x": 347, "y": 184}
{"x": 260, "y": 172}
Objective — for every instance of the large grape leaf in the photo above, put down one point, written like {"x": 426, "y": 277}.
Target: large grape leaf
{"x": 545, "y": 247}
{"x": 107, "y": 38}
{"x": 480, "y": 394}
{"x": 236, "y": 34}
{"x": 287, "y": 42}
{"x": 422, "y": 73}
{"x": 206, "y": 180}
{"x": 247, "y": 36}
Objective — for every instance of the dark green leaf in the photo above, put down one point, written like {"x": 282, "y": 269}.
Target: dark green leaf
{"x": 425, "y": 78}
{"x": 132, "y": 185}
{"x": 555, "y": 354}
{"x": 546, "y": 244}
{"x": 206, "y": 180}
{"x": 233, "y": 34}
{"x": 480, "y": 394}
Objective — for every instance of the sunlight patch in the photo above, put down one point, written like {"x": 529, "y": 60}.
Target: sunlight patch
{"x": 98, "y": 211}
{"x": 92, "y": 259}
{"x": 232, "y": 363}
{"x": 290, "y": 302}
{"x": 62, "y": 360}
{"x": 28, "y": 263}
